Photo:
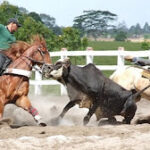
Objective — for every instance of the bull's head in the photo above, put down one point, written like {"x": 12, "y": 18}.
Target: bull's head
{"x": 59, "y": 69}
{"x": 46, "y": 70}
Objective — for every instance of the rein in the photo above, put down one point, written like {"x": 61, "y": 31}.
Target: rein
{"x": 146, "y": 69}
{"x": 25, "y": 72}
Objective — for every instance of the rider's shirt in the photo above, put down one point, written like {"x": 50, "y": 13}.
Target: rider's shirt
{"x": 6, "y": 38}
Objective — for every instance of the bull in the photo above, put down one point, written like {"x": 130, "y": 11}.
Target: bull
{"x": 87, "y": 84}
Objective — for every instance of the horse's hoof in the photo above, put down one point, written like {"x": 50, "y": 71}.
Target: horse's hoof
{"x": 7, "y": 121}
{"x": 42, "y": 124}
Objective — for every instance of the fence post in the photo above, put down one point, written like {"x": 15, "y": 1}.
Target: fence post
{"x": 89, "y": 58}
{"x": 63, "y": 90}
{"x": 38, "y": 77}
{"x": 120, "y": 59}
{"x": 63, "y": 54}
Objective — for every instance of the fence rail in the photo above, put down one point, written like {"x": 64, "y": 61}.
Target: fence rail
{"x": 89, "y": 54}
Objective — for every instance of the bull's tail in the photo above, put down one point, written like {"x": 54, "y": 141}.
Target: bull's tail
{"x": 130, "y": 107}
{"x": 140, "y": 92}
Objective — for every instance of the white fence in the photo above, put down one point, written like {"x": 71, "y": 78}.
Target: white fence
{"x": 89, "y": 54}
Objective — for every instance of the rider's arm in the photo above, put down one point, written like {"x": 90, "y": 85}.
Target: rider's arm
{"x": 138, "y": 60}
{"x": 141, "y": 61}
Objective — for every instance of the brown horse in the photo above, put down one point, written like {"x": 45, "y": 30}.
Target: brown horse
{"x": 14, "y": 84}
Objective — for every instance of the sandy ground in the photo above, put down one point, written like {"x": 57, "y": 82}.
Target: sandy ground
{"x": 70, "y": 134}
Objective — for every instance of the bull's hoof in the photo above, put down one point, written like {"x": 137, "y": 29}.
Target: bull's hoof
{"x": 112, "y": 120}
{"x": 126, "y": 121}
{"x": 109, "y": 121}
{"x": 142, "y": 120}
{"x": 86, "y": 120}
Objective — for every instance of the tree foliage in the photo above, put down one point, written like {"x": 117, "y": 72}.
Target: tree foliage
{"x": 94, "y": 22}
{"x": 33, "y": 23}
{"x": 7, "y": 11}
{"x": 35, "y": 16}
{"x": 121, "y": 36}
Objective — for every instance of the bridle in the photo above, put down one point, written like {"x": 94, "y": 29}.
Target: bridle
{"x": 31, "y": 66}
{"x": 35, "y": 61}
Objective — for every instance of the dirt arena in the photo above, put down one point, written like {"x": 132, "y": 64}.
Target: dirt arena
{"x": 70, "y": 134}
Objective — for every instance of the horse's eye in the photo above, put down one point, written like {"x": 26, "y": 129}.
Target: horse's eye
{"x": 43, "y": 52}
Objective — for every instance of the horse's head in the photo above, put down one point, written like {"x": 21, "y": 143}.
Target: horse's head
{"x": 38, "y": 53}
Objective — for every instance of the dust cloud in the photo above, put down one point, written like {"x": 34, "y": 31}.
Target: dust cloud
{"x": 69, "y": 133}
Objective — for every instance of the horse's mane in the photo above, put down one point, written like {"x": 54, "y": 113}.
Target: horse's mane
{"x": 16, "y": 49}
{"x": 19, "y": 47}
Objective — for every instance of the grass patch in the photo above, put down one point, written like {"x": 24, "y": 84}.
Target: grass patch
{"x": 102, "y": 45}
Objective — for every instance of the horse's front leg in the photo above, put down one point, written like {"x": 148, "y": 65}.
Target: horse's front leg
{"x": 1, "y": 109}
{"x": 25, "y": 103}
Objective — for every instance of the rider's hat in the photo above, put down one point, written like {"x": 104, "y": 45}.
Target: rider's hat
{"x": 14, "y": 20}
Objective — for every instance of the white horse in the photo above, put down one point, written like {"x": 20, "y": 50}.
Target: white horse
{"x": 131, "y": 78}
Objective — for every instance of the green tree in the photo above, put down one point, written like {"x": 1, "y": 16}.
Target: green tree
{"x": 8, "y": 11}
{"x": 71, "y": 38}
{"x": 50, "y": 22}
{"x": 146, "y": 28}
{"x": 121, "y": 36}
{"x": 84, "y": 43}
{"x": 35, "y": 16}
{"x": 94, "y": 22}
{"x": 30, "y": 27}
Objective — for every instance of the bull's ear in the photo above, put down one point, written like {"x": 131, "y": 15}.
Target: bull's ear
{"x": 67, "y": 62}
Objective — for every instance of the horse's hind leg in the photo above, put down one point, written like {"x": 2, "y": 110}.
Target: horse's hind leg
{"x": 24, "y": 103}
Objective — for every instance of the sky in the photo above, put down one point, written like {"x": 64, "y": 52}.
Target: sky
{"x": 64, "y": 11}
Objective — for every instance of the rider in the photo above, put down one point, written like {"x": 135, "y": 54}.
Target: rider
{"x": 138, "y": 61}
{"x": 6, "y": 39}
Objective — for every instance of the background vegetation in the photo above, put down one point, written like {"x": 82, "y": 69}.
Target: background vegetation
{"x": 87, "y": 29}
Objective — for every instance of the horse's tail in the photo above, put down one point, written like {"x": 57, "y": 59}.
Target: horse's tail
{"x": 140, "y": 92}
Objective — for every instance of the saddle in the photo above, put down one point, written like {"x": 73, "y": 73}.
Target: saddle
{"x": 146, "y": 71}
{"x": 146, "y": 74}
{"x": 4, "y": 62}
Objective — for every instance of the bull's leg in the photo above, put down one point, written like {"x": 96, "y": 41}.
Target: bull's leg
{"x": 89, "y": 114}
{"x": 68, "y": 106}
{"x": 24, "y": 103}
{"x": 129, "y": 111}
